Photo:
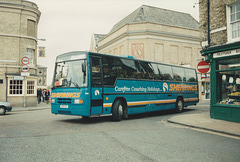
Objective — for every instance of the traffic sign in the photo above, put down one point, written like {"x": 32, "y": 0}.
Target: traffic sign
{"x": 25, "y": 60}
{"x": 25, "y": 68}
{"x": 25, "y": 74}
{"x": 18, "y": 78}
{"x": 203, "y": 67}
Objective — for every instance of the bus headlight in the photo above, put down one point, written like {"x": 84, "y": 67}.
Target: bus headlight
{"x": 78, "y": 101}
{"x": 52, "y": 100}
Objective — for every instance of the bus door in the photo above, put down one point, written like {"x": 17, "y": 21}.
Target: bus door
{"x": 96, "y": 86}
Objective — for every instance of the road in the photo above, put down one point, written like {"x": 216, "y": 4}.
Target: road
{"x": 41, "y": 136}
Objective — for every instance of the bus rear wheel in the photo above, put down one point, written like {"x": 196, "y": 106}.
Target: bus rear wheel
{"x": 117, "y": 110}
{"x": 179, "y": 105}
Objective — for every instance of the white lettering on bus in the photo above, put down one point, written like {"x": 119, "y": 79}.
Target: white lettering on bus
{"x": 137, "y": 89}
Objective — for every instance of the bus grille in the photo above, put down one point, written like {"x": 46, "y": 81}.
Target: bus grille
{"x": 64, "y": 100}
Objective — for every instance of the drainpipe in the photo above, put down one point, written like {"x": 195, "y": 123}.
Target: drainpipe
{"x": 6, "y": 80}
{"x": 208, "y": 22}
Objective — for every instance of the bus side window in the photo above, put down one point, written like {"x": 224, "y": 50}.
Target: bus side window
{"x": 147, "y": 70}
{"x": 166, "y": 71}
{"x": 178, "y": 74}
{"x": 157, "y": 72}
{"x": 129, "y": 68}
{"x": 190, "y": 75}
{"x": 96, "y": 72}
{"x": 109, "y": 70}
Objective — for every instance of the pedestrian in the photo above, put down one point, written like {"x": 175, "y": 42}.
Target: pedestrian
{"x": 39, "y": 95}
{"x": 43, "y": 95}
{"x": 47, "y": 94}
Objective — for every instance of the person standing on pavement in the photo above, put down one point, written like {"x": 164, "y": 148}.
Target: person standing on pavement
{"x": 39, "y": 95}
{"x": 43, "y": 95}
{"x": 47, "y": 94}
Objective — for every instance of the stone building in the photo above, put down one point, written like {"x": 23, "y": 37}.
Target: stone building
{"x": 42, "y": 77}
{"x": 220, "y": 38}
{"x": 153, "y": 34}
{"x": 18, "y": 39}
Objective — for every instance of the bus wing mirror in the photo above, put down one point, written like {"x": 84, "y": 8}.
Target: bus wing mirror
{"x": 84, "y": 67}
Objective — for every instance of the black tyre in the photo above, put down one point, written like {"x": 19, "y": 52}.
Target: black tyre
{"x": 2, "y": 110}
{"x": 117, "y": 110}
{"x": 179, "y": 105}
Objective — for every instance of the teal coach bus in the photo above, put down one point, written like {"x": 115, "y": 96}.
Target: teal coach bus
{"x": 92, "y": 84}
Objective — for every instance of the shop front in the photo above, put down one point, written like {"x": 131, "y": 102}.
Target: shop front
{"x": 225, "y": 81}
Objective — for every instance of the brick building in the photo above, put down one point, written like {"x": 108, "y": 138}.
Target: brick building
{"x": 220, "y": 38}
{"x": 153, "y": 34}
{"x": 18, "y": 38}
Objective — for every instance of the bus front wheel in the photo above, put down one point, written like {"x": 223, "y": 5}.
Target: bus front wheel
{"x": 117, "y": 110}
{"x": 179, "y": 105}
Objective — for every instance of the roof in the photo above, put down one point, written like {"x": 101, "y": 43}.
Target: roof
{"x": 159, "y": 16}
{"x": 98, "y": 37}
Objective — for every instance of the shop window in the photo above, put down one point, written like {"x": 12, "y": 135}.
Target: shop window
{"x": 15, "y": 87}
{"x": 30, "y": 87}
{"x": 228, "y": 79}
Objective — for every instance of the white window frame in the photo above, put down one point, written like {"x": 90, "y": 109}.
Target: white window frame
{"x": 24, "y": 87}
{"x": 34, "y": 87}
{"x": 9, "y": 81}
{"x": 229, "y": 24}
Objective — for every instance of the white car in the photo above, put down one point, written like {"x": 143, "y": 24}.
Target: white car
{"x": 4, "y": 107}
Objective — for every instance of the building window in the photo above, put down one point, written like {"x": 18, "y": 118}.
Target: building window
{"x": 16, "y": 87}
{"x": 31, "y": 28}
{"x": 30, "y": 54}
{"x": 233, "y": 22}
{"x": 30, "y": 87}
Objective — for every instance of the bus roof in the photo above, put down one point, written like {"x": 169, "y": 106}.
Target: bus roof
{"x": 83, "y": 55}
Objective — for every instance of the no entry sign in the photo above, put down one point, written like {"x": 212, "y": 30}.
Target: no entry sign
{"x": 25, "y": 60}
{"x": 203, "y": 67}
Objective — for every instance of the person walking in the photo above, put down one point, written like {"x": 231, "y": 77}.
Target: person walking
{"x": 39, "y": 95}
{"x": 47, "y": 94}
{"x": 43, "y": 95}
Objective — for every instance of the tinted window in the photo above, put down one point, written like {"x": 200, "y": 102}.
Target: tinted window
{"x": 190, "y": 75}
{"x": 157, "y": 72}
{"x": 166, "y": 71}
{"x": 178, "y": 74}
{"x": 129, "y": 69}
{"x": 96, "y": 72}
{"x": 147, "y": 70}
{"x": 109, "y": 70}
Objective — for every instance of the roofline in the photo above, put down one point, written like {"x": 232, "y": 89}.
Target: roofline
{"x": 220, "y": 48}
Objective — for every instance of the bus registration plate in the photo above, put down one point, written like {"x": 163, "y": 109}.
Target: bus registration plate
{"x": 64, "y": 106}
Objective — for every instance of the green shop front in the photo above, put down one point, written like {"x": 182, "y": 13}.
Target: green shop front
{"x": 225, "y": 81}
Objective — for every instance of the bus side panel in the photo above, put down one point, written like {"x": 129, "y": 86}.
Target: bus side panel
{"x": 147, "y": 96}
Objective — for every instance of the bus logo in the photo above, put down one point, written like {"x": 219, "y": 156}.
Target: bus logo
{"x": 97, "y": 93}
{"x": 165, "y": 87}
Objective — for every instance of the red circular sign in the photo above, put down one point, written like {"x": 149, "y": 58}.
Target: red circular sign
{"x": 25, "y": 60}
{"x": 25, "y": 68}
{"x": 203, "y": 67}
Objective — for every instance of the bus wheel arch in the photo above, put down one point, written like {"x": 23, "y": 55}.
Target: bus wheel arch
{"x": 119, "y": 109}
{"x": 179, "y": 104}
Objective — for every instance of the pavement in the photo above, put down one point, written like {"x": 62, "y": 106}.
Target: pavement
{"x": 198, "y": 120}
{"x": 40, "y": 106}
{"x": 202, "y": 120}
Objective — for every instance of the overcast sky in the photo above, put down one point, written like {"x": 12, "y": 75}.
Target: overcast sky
{"x": 67, "y": 25}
